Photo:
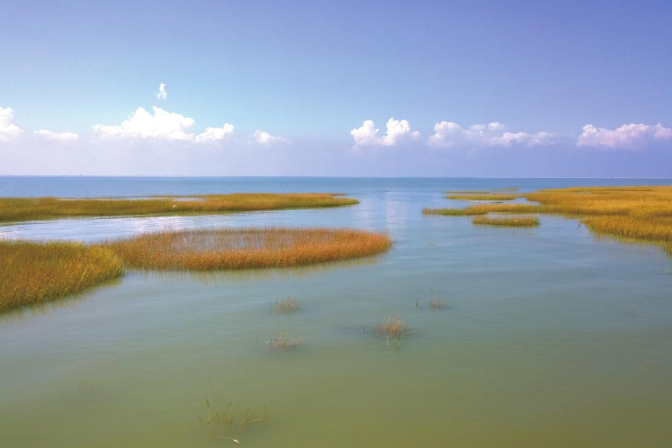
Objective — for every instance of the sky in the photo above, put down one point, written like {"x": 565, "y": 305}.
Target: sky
{"x": 336, "y": 88}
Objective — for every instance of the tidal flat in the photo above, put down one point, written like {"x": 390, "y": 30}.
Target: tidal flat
{"x": 550, "y": 336}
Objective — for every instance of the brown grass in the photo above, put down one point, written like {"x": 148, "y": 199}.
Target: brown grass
{"x": 32, "y": 273}
{"x": 483, "y": 197}
{"x": 640, "y": 213}
{"x": 273, "y": 247}
{"x": 25, "y": 209}
{"x": 283, "y": 342}
{"x": 467, "y": 191}
{"x": 507, "y": 221}
{"x": 393, "y": 326}
{"x": 287, "y": 305}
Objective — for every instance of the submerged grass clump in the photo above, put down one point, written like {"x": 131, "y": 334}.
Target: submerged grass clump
{"x": 287, "y": 305}
{"x": 25, "y": 209}
{"x": 226, "y": 422}
{"x": 393, "y": 328}
{"x": 272, "y": 247}
{"x": 282, "y": 341}
{"x": 32, "y": 273}
{"x": 437, "y": 303}
{"x": 507, "y": 221}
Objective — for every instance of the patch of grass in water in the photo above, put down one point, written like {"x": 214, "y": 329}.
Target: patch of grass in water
{"x": 437, "y": 303}
{"x": 27, "y": 209}
{"x": 483, "y": 197}
{"x": 507, "y": 221}
{"x": 282, "y": 341}
{"x": 247, "y": 248}
{"x": 467, "y": 192}
{"x": 226, "y": 423}
{"x": 288, "y": 305}
{"x": 32, "y": 273}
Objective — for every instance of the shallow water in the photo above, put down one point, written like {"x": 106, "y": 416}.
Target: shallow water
{"x": 551, "y": 337}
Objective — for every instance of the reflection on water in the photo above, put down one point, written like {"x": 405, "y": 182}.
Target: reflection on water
{"x": 552, "y": 337}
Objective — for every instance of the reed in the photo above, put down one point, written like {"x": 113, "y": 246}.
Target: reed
{"x": 287, "y": 305}
{"x": 32, "y": 273}
{"x": 272, "y": 247}
{"x": 282, "y": 341}
{"x": 507, "y": 221}
{"x": 25, "y": 209}
{"x": 437, "y": 303}
{"x": 483, "y": 197}
{"x": 393, "y": 326}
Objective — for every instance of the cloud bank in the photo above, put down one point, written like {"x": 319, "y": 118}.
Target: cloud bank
{"x": 448, "y": 134}
{"x": 629, "y": 136}
{"x": 162, "y": 125}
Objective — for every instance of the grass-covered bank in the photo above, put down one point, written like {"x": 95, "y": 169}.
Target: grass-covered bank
{"x": 640, "y": 213}
{"x": 32, "y": 273}
{"x": 275, "y": 247}
{"x": 27, "y": 209}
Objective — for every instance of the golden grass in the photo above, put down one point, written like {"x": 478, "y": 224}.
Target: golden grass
{"x": 640, "y": 213}
{"x": 287, "y": 305}
{"x": 25, "y": 209}
{"x": 32, "y": 273}
{"x": 393, "y": 326}
{"x": 507, "y": 189}
{"x": 467, "y": 191}
{"x": 507, "y": 221}
{"x": 483, "y": 197}
{"x": 273, "y": 247}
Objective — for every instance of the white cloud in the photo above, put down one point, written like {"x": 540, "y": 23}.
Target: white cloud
{"x": 264, "y": 137}
{"x": 628, "y": 136}
{"x": 162, "y": 94}
{"x": 162, "y": 125}
{"x": 214, "y": 134}
{"x": 397, "y": 131}
{"x": 59, "y": 136}
{"x": 7, "y": 127}
{"x": 448, "y": 134}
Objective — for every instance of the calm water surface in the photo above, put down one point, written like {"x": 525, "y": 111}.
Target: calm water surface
{"x": 552, "y": 337}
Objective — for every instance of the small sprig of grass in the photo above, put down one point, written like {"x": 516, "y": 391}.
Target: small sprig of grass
{"x": 224, "y": 424}
{"x": 282, "y": 341}
{"x": 287, "y": 305}
{"x": 437, "y": 303}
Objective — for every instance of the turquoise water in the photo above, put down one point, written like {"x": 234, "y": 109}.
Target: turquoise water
{"x": 551, "y": 337}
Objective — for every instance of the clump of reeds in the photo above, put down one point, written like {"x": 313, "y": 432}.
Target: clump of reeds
{"x": 24, "y": 209}
{"x": 483, "y": 197}
{"x": 272, "y": 247}
{"x": 287, "y": 305}
{"x": 227, "y": 423}
{"x": 437, "y": 303}
{"x": 32, "y": 272}
{"x": 393, "y": 328}
{"x": 282, "y": 341}
{"x": 507, "y": 221}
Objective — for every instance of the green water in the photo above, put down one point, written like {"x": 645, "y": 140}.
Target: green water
{"x": 550, "y": 338}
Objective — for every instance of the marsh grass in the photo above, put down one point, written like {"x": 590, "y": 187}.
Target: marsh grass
{"x": 467, "y": 192}
{"x": 288, "y": 305}
{"x": 483, "y": 197}
{"x": 506, "y": 189}
{"x": 633, "y": 213}
{"x": 282, "y": 341}
{"x": 32, "y": 273}
{"x": 26, "y": 209}
{"x": 271, "y": 247}
{"x": 507, "y": 221}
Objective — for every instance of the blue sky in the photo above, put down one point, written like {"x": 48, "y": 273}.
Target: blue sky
{"x": 297, "y": 81}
